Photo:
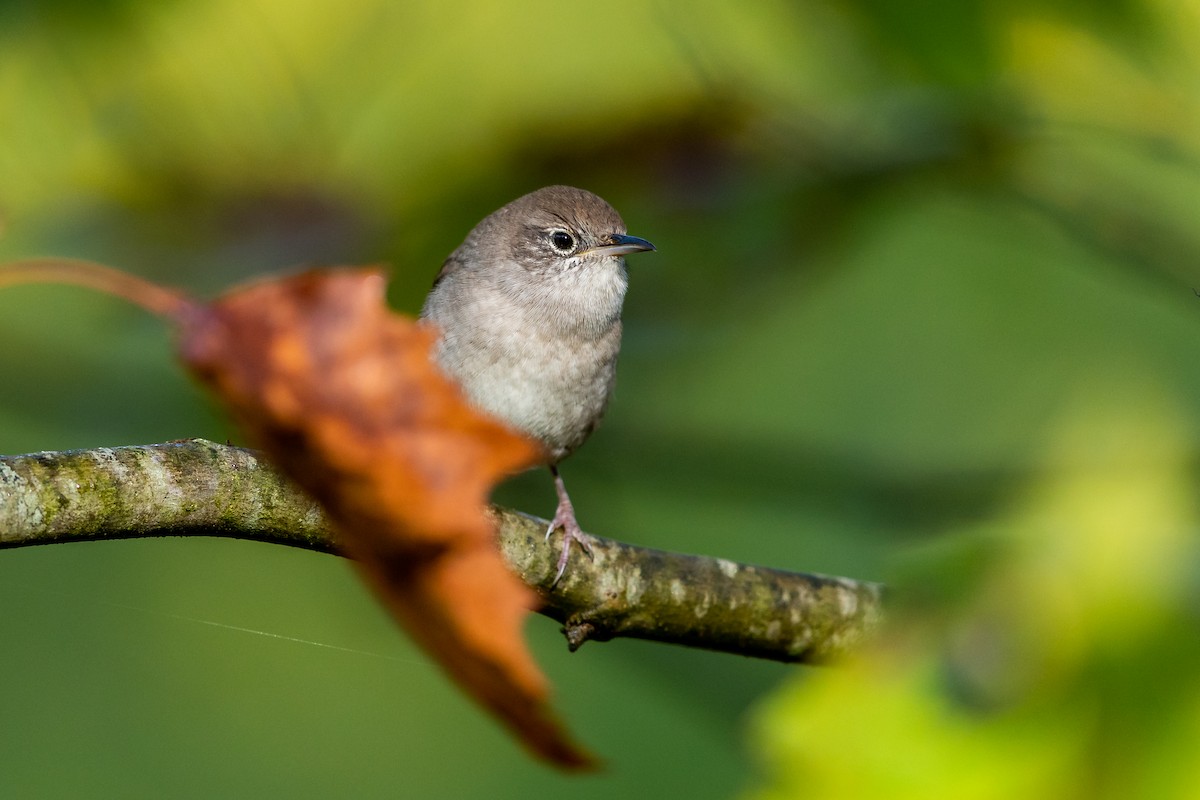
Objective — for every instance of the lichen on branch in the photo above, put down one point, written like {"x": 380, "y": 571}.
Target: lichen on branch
{"x": 199, "y": 488}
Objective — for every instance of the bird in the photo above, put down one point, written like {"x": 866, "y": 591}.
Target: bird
{"x": 528, "y": 315}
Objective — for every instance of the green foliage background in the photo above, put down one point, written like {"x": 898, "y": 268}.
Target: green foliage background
{"x": 922, "y": 312}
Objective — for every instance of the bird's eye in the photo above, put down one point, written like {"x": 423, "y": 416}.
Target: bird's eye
{"x": 562, "y": 241}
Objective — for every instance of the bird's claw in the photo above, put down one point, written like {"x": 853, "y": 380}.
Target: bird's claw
{"x": 564, "y": 518}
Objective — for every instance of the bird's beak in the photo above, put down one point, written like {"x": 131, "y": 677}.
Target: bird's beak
{"x": 620, "y": 244}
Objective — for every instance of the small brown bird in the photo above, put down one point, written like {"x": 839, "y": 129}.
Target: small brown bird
{"x": 529, "y": 308}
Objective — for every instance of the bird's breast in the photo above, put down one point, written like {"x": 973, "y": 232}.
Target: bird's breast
{"x": 553, "y": 389}
{"x": 543, "y": 360}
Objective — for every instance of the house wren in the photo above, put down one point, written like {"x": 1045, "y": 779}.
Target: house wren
{"x": 529, "y": 309}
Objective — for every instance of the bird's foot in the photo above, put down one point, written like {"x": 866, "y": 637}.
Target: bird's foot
{"x": 564, "y": 519}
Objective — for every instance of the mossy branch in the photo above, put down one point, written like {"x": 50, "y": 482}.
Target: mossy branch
{"x": 198, "y": 488}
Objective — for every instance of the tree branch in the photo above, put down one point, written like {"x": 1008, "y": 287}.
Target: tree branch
{"x": 198, "y": 488}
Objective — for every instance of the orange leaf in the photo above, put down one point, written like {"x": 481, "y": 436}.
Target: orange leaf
{"x": 344, "y": 396}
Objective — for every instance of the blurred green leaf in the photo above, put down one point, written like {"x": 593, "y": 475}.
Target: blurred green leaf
{"x": 1068, "y": 670}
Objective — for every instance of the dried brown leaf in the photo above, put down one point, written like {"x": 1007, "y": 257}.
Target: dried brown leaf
{"x": 343, "y": 395}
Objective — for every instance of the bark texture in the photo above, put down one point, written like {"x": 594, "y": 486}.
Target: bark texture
{"x": 198, "y": 488}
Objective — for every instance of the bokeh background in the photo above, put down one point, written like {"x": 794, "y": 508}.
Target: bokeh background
{"x": 922, "y": 312}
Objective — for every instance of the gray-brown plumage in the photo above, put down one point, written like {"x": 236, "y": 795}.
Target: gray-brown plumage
{"x": 529, "y": 308}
